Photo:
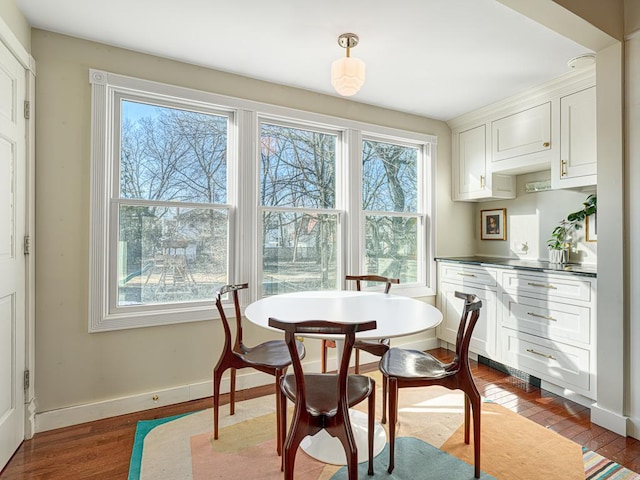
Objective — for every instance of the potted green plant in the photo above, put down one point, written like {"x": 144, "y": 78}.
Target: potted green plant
{"x": 561, "y": 237}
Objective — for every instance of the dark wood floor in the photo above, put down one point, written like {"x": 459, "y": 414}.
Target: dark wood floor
{"x": 102, "y": 449}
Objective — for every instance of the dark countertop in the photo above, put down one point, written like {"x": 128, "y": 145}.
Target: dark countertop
{"x": 532, "y": 265}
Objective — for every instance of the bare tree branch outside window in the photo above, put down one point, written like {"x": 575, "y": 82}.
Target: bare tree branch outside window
{"x": 173, "y": 225}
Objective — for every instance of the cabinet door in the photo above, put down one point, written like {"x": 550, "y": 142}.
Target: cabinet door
{"x": 521, "y": 136}
{"x": 472, "y": 168}
{"x": 578, "y": 165}
{"x": 483, "y": 340}
{"x": 472, "y": 180}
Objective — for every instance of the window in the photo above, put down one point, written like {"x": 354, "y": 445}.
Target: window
{"x": 191, "y": 190}
{"x": 169, "y": 199}
{"x": 297, "y": 200}
{"x": 390, "y": 200}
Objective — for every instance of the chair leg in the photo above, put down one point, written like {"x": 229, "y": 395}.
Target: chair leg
{"x": 291, "y": 447}
{"x": 217, "y": 378}
{"x": 385, "y": 385}
{"x": 345, "y": 435}
{"x": 393, "y": 418}
{"x": 323, "y": 357}
{"x": 357, "y": 369}
{"x": 279, "y": 431}
{"x": 371, "y": 411}
{"x": 476, "y": 404}
{"x": 466, "y": 419}
{"x": 232, "y": 393}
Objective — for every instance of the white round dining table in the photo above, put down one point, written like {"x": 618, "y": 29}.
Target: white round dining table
{"x": 395, "y": 316}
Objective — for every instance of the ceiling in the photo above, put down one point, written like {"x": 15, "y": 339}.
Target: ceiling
{"x": 435, "y": 58}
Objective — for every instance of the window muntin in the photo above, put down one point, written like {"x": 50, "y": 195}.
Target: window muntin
{"x": 300, "y": 236}
{"x": 172, "y": 221}
{"x": 390, "y": 202}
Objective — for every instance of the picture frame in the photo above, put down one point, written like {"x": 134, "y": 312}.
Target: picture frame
{"x": 591, "y": 228}
{"x": 493, "y": 224}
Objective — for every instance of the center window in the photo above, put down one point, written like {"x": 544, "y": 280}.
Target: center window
{"x": 298, "y": 199}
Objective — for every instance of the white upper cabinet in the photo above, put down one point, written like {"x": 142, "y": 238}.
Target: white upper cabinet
{"x": 577, "y": 165}
{"x": 472, "y": 178}
{"x": 522, "y": 141}
{"x": 549, "y": 127}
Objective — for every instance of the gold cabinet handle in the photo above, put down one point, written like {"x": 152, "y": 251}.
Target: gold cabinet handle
{"x": 482, "y": 182}
{"x": 546, "y": 144}
{"x": 550, "y": 357}
{"x": 563, "y": 168}
{"x": 533, "y": 314}
{"x": 533, "y": 284}
{"x": 466, "y": 274}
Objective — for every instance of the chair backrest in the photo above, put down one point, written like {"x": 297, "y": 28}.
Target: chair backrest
{"x": 321, "y": 327}
{"x": 233, "y": 290}
{"x": 373, "y": 278}
{"x": 468, "y": 320}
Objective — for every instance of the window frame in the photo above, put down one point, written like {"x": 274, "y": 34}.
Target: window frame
{"x": 245, "y": 213}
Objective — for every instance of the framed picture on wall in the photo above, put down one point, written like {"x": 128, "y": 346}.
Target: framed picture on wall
{"x": 493, "y": 224}
{"x": 591, "y": 228}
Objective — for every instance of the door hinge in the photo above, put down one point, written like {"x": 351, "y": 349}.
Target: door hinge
{"x": 27, "y": 244}
{"x": 27, "y": 109}
{"x": 26, "y": 379}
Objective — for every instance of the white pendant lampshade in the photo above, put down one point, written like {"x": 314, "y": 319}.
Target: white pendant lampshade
{"x": 348, "y": 73}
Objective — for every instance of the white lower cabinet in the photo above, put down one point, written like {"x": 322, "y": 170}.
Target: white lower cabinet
{"x": 547, "y": 328}
{"x": 539, "y": 323}
{"x": 480, "y": 282}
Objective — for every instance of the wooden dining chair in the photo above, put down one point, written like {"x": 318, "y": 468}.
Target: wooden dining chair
{"x": 411, "y": 368}
{"x": 322, "y": 400}
{"x": 270, "y": 357}
{"x": 375, "y": 347}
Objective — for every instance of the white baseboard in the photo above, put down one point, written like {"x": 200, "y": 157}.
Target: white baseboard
{"x": 247, "y": 378}
{"x": 610, "y": 420}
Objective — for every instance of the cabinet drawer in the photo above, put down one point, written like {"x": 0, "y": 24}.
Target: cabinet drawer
{"x": 467, "y": 274}
{"x": 561, "y": 364}
{"x": 553, "y": 320}
{"x": 553, "y": 287}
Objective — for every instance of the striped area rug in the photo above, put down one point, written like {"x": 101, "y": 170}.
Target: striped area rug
{"x": 597, "y": 467}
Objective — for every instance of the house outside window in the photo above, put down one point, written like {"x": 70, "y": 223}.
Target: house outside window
{"x": 192, "y": 190}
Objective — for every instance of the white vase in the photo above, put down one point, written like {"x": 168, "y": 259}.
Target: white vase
{"x": 557, "y": 256}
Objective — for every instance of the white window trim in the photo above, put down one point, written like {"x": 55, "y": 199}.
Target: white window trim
{"x": 242, "y": 193}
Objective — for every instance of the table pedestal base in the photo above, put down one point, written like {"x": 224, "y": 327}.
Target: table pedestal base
{"x": 328, "y": 449}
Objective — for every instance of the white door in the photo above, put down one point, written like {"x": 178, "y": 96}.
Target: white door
{"x": 12, "y": 260}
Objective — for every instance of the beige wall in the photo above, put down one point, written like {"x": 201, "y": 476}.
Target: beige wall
{"x": 608, "y": 16}
{"x": 631, "y": 16}
{"x": 531, "y": 217}
{"x": 17, "y": 23}
{"x": 72, "y": 366}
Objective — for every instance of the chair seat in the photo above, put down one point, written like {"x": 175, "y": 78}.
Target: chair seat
{"x": 273, "y": 354}
{"x": 322, "y": 391}
{"x": 374, "y": 347}
{"x": 412, "y": 364}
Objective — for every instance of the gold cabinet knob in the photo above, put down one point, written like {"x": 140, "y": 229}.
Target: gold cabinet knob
{"x": 546, "y": 144}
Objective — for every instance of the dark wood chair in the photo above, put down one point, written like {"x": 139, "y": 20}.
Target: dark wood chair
{"x": 271, "y": 357}
{"x": 322, "y": 400}
{"x": 411, "y": 368}
{"x": 375, "y": 347}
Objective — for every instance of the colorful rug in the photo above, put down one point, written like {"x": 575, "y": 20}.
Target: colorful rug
{"x": 430, "y": 441}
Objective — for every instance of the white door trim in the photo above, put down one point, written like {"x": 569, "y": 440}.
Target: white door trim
{"x": 9, "y": 39}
